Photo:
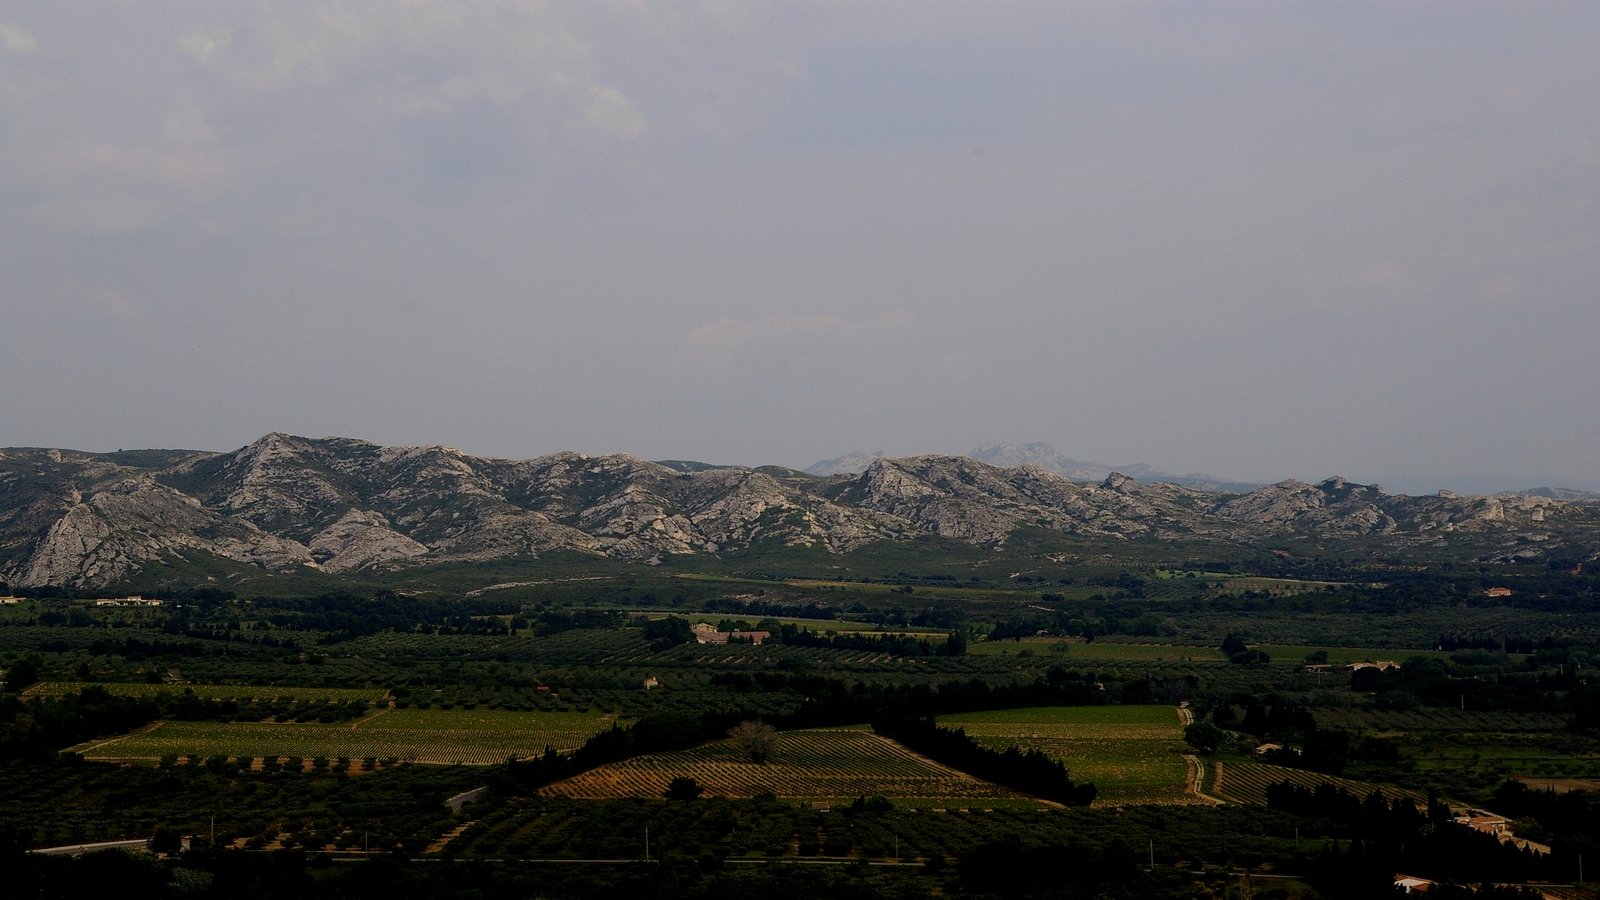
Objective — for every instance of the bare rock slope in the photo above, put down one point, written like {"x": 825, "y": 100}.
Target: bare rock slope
{"x": 340, "y": 505}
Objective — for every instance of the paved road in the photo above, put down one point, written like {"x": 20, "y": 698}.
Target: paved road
{"x": 465, "y": 797}
{"x": 80, "y": 849}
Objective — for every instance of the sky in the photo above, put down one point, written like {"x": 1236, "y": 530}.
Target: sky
{"x": 1258, "y": 240}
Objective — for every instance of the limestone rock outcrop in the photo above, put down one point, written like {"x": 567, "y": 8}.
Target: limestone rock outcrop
{"x": 339, "y": 505}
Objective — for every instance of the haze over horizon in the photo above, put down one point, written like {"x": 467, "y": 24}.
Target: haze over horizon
{"x": 1248, "y": 241}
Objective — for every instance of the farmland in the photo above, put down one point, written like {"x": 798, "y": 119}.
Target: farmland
{"x": 214, "y": 691}
{"x": 820, "y": 764}
{"x": 1132, "y": 754}
{"x": 1246, "y": 782}
{"x": 473, "y": 737}
{"x": 1440, "y": 719}
{"x": 1075, "y": 650}
{"x": 327, "y": 723}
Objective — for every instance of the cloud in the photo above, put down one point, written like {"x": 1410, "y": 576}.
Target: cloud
{"x": 16, "y": 41}
{"x": 610, "y": 110}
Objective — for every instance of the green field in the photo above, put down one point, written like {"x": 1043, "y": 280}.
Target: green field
{"x": 212, "y": 691}
{"x": 834, "y": 764}
{"x": 472, "y": 737}
{"x": 1131, "y": 753}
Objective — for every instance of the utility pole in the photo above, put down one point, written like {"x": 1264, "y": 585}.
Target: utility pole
{"x": 647, "y": 843}
{"x": 1152, "y": 854}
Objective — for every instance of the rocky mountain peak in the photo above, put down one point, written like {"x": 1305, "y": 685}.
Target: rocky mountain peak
{"x": 1117, "y": 481}
{"x": 345, "y": 505}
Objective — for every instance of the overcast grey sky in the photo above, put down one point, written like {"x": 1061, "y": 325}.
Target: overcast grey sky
{"x": 1252, "y": 239}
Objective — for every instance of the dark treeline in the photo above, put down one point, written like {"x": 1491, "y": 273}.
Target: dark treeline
{"x": 1029, "y": 771}
{"x": 346, "y": 616}
{"x": 768, "y": 608}
{"x": 1422, "y": 681}
{"x": 229, "y": 632}
{"x": 1367, "y": 867}
{"x": 1326, "y": 750}
{"x": 141, "y": 648}
{"x": 1571, "y": 818}
{"x": 1397, "y": 836}
{"x": 822, "y": 702}
{"x": 187, "y": 706}
{"x": 651, "y": 734}
{"x": 37, "y": 729}
{"x": 1375, "y": 816}
{"x": 1508, "y": 643}
{"x": 673, "y": 630}
{"x": 1437, "y": 851}
{"x": 555, "y": 621}
{"x": 873, "y": 642}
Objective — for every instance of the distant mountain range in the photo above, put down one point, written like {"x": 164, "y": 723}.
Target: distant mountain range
{"x": 337, "y": 505}
{"x": 1045, "y": 457}
{"x": 1039, "y": 454}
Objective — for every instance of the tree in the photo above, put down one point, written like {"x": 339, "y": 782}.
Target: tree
{"x": 666, "y": 633}
{"x": 23, "y": 674}
{"x": 753, "y": 739}
{"x": 683, "y": 788}
{"x": 1204, "y": 736}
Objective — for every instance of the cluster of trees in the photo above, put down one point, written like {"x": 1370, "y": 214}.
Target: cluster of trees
{"x": 1508, "y": 643}
{"x": 822, "y": 700}
{"x": 1028, "y": 771}
{"x": 1423, "y": 681}
{"x": 892, "y": 644}
{"x": 673, "y": 630}
{"x": 651, "y": 734}
{"x": 1376, "y": 815}
{"x": 1396, "y": 835}
{"x": 1571, "y": 819}
{"x": 1241, "y": 654}
{"x": 37, "y": 729}
{"x": 187, "y": 706}
{"x": 1326, "y": 750}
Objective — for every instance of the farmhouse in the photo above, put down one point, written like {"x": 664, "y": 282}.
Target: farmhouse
{"x": 1412, "y": 884}
{"x": 1382, "y": 665}
{"x": 1489, "y": 823}
{"x": 10, "y": 601}
{"x": 1497, "y": 592}
{"x": 705, "y": 633}
{"x": 134, "y": 600}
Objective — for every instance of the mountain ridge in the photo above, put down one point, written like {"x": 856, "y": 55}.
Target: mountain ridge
{"x": 342, "y": 505}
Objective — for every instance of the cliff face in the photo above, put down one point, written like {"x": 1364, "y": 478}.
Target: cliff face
{"x": 342, "y": 505}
